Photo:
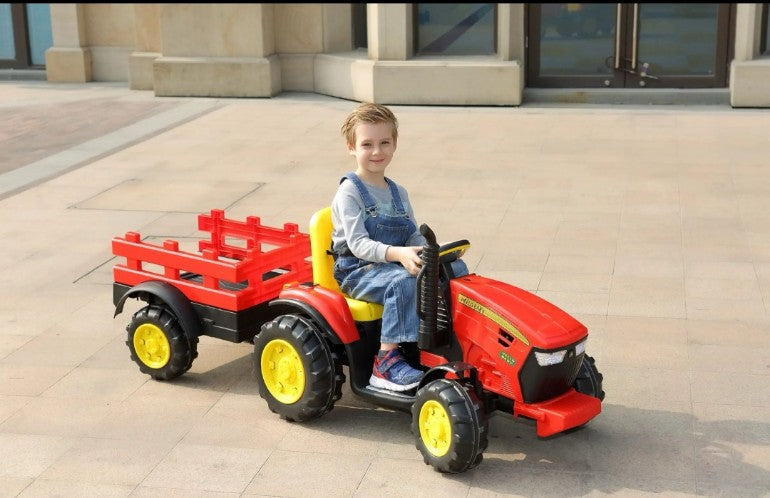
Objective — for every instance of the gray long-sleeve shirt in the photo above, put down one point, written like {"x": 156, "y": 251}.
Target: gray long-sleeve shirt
{"x": 348, "y": 216}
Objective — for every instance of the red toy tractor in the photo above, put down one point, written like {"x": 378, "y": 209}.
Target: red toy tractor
{"x": 484, "y": 345}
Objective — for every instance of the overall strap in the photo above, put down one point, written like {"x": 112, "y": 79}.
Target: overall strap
{"x": 396, "y": 197}
{"x": 370, "y": 205}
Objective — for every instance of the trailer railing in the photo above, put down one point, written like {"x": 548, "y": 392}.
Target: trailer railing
{"x": 242, "y": 264}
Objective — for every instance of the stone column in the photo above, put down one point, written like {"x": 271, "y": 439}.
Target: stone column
{"x": 302, "y": 31}
{"x": 147, "y": 46}
{"x": 69, "y": 59}
{"x": 749, "y": 73}
{"x": 390, "y": 30}
{"x": 222, "y": 50}
{"x": 748, "y": 29}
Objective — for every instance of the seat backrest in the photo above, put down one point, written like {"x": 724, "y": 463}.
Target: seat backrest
{"x": 323, "y": 266}
{"x": 320, "y": 243}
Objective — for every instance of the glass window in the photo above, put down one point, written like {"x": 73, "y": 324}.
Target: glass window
{"x": 455, "y": 28}
{"x": 576, "y": 38}
{"x": 7, "y": 45}
{"x": 692, "y": 28}
{"x": 39, "y": 25}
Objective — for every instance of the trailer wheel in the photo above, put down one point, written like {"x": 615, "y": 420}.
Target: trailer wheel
{"x": 295, "y": 369}
{"x": 450, "y": 426}
{"x": 589, "y": 380}
{"x": 158, "y": 344}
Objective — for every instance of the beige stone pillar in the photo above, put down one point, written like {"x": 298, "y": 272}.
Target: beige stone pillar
{"x": 147, "y": 46}
{"x": 749, "y": 73}
{"x": 337, "y": 27}
{"x": 222, "y": 50}
{"x": 299, "y": 35}
{"x": 748, "y": 29}
{"x": 302, "y": 31}
{"x": 511, "y": 32}
{"x": 512, "y": 36}
{"x": 390, "y": 31}
{"x": 69, "y": 59}
{"x": 110, "y": 31}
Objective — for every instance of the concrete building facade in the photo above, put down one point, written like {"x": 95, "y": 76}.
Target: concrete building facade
{"x": 261, "y": 50}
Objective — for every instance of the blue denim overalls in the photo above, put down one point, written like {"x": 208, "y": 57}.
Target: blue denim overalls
{"x": 389, "y": 284}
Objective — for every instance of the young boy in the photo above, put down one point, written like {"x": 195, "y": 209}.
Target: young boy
{"x": 377, "y": 241}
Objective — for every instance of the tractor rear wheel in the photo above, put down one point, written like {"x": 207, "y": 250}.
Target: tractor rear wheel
{"x": 295, "y": 369}
{"x": 450, "y": 426}
{"x": 158, "y": 344}
{"x": 589, "y": 380}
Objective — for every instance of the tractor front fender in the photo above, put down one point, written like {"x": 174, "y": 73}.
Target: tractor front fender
{"x": 157, "y": 292}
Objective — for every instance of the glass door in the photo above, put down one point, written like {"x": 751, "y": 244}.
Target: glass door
{"x": 25, "y": 34}
{"x": 628, "y": 45}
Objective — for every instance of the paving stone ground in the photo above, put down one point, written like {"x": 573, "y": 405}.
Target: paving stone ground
{"x": 31, "y": 132}
{"x": 650, "y": 224}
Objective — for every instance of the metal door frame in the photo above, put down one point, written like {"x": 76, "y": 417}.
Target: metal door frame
{"x": 626, "y": 74}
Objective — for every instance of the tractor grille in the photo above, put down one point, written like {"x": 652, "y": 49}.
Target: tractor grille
{"x": 539, "y": 383}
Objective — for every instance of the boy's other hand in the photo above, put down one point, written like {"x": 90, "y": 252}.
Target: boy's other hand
{"x": 408, "y": 257}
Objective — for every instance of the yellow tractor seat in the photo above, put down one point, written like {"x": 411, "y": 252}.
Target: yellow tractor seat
{"x": 323, "y": 266}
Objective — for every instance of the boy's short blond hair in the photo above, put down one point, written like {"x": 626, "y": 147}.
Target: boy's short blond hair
{"x": 368, "y": 113}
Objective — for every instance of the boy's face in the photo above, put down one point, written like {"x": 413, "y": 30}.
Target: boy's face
{"x": 374, "y": 147}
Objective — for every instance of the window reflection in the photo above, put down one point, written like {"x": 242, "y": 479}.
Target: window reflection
{"x": 455, "y": 28}
{"x": 576, "y": 38}
{"x": 7, "y": 45}
{"x": 691, "y": 28}
{"x": 39, "y": 22}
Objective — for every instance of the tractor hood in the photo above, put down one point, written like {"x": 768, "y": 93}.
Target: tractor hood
{"x": 519, "y": 312}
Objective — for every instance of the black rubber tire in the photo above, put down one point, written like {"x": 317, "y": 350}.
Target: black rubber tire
{"x": 589, "y": 380}
{"x": 323, "y": 375}
{"x": 468, "y": 421}
{"x": 182, "y": 350}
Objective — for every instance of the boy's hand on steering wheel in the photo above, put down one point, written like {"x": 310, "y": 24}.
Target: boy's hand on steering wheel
{"x": 408, "y": 257}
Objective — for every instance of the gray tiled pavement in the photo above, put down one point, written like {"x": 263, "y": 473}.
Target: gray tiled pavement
{"x": 649, "y": 224}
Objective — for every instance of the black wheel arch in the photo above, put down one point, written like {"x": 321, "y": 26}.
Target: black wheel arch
{"x": 158, "y": 292}
{"x": 287, "y": 306}
{"x": 462, "y": 371}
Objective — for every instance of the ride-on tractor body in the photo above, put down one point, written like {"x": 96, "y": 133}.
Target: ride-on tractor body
{"x": 484, "y": 345}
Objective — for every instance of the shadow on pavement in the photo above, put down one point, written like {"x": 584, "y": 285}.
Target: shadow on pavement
{"x": 624, "y": 448}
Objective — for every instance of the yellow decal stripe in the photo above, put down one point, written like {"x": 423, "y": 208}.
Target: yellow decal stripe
{"x": 502, "y": 322}
{"x": 463, "y": 247}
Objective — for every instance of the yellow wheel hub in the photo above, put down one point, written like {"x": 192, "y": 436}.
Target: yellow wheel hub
{"x": 282, "y": 371}
{"x": 435, "y": 429}
{"x": 152, "y": 346}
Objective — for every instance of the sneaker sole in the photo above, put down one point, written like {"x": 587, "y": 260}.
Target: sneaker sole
{"x": 375, "y": 381}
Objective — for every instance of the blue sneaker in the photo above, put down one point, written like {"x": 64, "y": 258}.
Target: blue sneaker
{"x": 392, "y": 372}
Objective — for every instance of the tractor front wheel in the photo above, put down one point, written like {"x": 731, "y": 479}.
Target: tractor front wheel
{"x": 158, "y": 344}
{"x": 589, "y": 380}
{"x": 450, "y": 426}
{"x": 295, "y": 369}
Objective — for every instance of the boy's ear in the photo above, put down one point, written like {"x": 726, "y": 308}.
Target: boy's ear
{"x": 351, "y": 148}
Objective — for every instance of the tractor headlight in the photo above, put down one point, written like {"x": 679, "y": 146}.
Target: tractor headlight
{"x": 546, "y": 359}
{"x": 580, "y": 348}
